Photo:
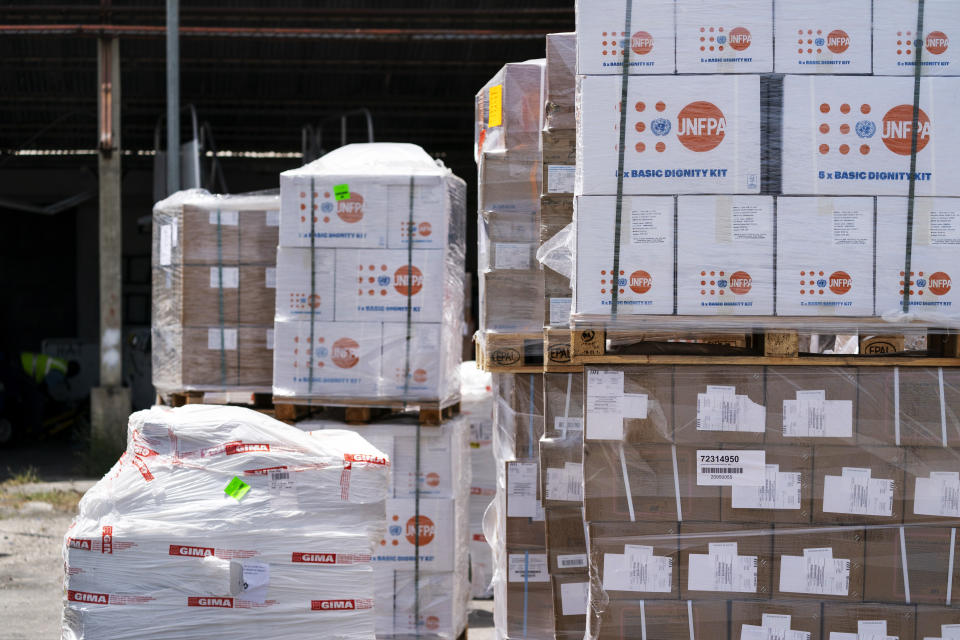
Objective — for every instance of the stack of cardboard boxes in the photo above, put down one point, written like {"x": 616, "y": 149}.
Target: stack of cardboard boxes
{"x": 370, "y": 278}
{"x": 214, "y": 286}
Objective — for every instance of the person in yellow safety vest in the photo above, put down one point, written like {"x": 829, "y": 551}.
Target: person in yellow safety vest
{"x": 43, "y": 368}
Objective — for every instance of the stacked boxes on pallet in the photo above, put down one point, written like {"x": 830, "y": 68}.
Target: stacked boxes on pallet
{"x": 224, "y": 523}
{"x": 214, "y": 285}
{"x": 509, "y": 117}
{"x": 762, "y": 149}
{"x": 421, "y": 564}
{"x": 370, "y": 278}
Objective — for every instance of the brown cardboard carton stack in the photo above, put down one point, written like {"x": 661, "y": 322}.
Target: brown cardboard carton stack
{"x": 214, "y": 289}
{"x": 799, "y": 498}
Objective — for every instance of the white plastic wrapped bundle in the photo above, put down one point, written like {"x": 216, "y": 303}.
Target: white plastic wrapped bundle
{"x": 426, "y": 598}
{"x": 159, "y": 541}
{"x": 370, "y": 278}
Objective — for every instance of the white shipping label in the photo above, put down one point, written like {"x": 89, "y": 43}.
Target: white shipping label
{"x": 224, "y": 277}
{"x": 225, "y": 339}
{"x": 637, "y": 569}
{"x": 950, "y": 631}
{"x": 722, "y": 570}
{"x": 565, "y": 484}
{"x": 938, "y": 495}
{"x": 721, "y": 409}
{"x": 270, "y": 277}
{"x": 811, "y": 415}
{"x": 273, "y": 218}
{"x": 528, "y": 567}
{"x": 511, "y": 255}
{"x": 565, "y": 424}
{"x": 816, "y": 572}
{"x": 560, "y": 311}
{"x": 572, "y": 561}
{"x": 574, "y": 597}
{"x": 635, "y": 405}
{"x": 256, "y": 579}
{"x": 283, "y": 490}
{"x": 522, "y": 490}
{"x": 778, "y": 491}
{"x": 560, "y": 178}
{"x": 605, "y": 405}
{"x": 855, "y": 492}
{"x": 730, "y": 468}
{"x": 752, "y": 632}
{"x": 270, "y": 339}
{"x": 538, "y": 514}
{"x": 945, "y": 228}
{"x": 646, "y": 225}
{"x": 166, "y": 244}
{"x": 227, "y": 218}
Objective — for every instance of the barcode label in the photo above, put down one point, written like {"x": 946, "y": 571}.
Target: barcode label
{"x": 722, "y": 470}
{"x": 577, "y": 560}
{"x": 721, "y": 467}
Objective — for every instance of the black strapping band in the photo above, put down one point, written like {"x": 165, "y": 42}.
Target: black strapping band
{"x": 914, "y": 135}
{"x": 624, "y": 86}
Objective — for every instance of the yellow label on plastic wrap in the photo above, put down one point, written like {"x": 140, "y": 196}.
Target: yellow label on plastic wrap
{"x": 496, "y": 106}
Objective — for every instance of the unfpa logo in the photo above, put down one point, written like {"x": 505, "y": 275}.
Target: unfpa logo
{"x": 937, "y": 42}
{"x": 838, "y": 41}
{"x": 940, "y": 284}
{"x": 738, "y": 283}
{"x": 641, "y": 43}
{"x": 351, "y": 209}
{"x": 640, "y": 281}
{"x": 897, "y": 129}
{"x": 701, "y": 126}
{"x": 840, "y": 282}
{"x": 408, "y": 280}
{"x": 715, "y": 39}
{"x": 937, "y": 283}
{"x": 426, "y": 529}
{"x": 741, "y": 283}
{"x": 345, "y": 353}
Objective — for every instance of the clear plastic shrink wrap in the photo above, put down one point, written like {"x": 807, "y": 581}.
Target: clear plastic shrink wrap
{"x": 161, "y": 548}
{"x": 476, "y": 404}
{"x": 766, "y": 164}
{"x": 214, "y": 288}
{"x": 370, "y": 286}
{"x": 508, "y": 124}
{"x": 429, "y": 491}
{"x": 796, "y": 502}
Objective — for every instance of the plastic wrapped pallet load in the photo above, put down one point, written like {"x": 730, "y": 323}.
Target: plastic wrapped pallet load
{"x": 370, "y": 278}
{"x": 421, "y": 563}
{"x": 224, "y": 523}
{"x": 214, "y": 284}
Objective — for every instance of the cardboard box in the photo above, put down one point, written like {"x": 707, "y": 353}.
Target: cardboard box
{"x": 927, "y": 563}
{"x": 560, "y": 84}
{"x": 833, "y": 276}
{"x": 851, "y": 135}
{"x": 300, "y": 295}
{"x": 509, "y": 182}
{"x": 936, "y": 236}
{"x": 246, "y": 356}
{"x": 823, "y": 37}
{"x": 398, "y": 550}
{"x": 602, "y": 35}
{"x": 193, "y": 295}
{"x": 345, "y": 357}
{"x": 786, "y": 496}
{"x": 849, "y": 618}
{"x": 524, "y": 508}
{"x": 563, "y": 405}
{"x": 720, "y": 561}
{"x": 511, "y": 301}
{"x": 508, "y": 110}
{"x": 734, "y": 36}
{"x": 932, "y": 487}
{"x": 927, "y": 416}
{"x": 931, "y": 620}
{"x": 895, "y": 38}
{"x": 795, "y": 616}
{"x": 718, "y": 404}
{"x": 398, "y": 280}
{"x": 259, "y": 236}
{"x": 725, "y": 248}
{"x": 518, "y": 414}
{"x": 561, "y": 472}
{"x": 655, "y": 472}
{"x": 858, "y": 485}
{"x": 618, "y": 549}
{"x": 646, "y": 280}
{"x": 690, "y": 134}
{"x": 206, "y": 238}
{"x": 559, "y": 161}
{"x": 566, "y": 540}
{"x": 663, "y": 620}
{"x": 571, "y": 600}
{"x": 811, "y": 405}
{"x": 646, "y": 403}
{"x": 801, "y": 556}
{"x": 529, "y": 602}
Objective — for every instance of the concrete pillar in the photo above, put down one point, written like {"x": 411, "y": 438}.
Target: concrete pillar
{"x": 110, "y": 402}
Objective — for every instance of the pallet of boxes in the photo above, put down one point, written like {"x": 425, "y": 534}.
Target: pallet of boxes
{"x": 368, "y": 333}
{"x": 752, "y": 176}
{"x": 214, "y": 280}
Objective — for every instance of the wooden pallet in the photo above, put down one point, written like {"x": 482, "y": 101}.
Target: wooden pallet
{"x": 254, "y": 400}
{"x": 590, "y": 346}
{"x": 357, "y": 411}
{"x": 510, "y": 352}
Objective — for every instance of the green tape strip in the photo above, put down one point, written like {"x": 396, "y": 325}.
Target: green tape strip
{"x": 915, "y": 135}
{"x": 625, "y": 83}
{"x": 237, "y": 488}
{"x": 341, "y": 192}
